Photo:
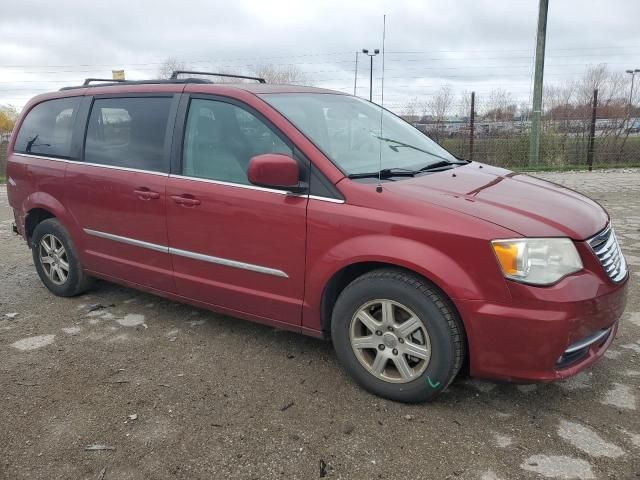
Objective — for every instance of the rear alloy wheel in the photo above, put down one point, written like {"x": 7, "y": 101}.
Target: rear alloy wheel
{"x": 53, "y": 258}
{"x": 398, "y": 335}
{"x": 56, "y": 260}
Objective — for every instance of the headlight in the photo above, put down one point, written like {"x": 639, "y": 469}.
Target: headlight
{"x": 539, "y": 261}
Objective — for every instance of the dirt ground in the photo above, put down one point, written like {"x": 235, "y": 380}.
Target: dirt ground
{"x": 176, "y": 392}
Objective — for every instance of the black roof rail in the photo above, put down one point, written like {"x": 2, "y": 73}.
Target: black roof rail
{"x": 174, "y": 75}
{"x": 87, "y": 81}
{"x": 107, "y": 82}
{"x": 111, "y": 83}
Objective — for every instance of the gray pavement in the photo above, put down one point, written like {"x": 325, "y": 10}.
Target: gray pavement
{"x": 177, "y": 392}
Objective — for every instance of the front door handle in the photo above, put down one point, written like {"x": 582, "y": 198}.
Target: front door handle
{"x": 145, "y": 194}
{"x": 185, "y": 200}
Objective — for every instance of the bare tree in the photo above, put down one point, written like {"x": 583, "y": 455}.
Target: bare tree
{"x": 612, "y": 131}
{"x": 439, "y": 106}
{"x": 411, "y": 111}
{"x": 464, "y": 107}
{"x": 282, "y": 74}
{"x": 500, "y": 106}
{"x": 170, "y": 65}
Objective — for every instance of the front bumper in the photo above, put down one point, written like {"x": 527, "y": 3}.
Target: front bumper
{"x": 544, "y": 334}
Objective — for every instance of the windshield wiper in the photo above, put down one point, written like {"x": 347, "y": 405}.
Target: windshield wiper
{"x": 438, "y": 165}
{"x": 386, "y": 173}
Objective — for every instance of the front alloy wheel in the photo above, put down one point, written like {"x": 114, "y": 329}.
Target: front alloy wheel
{"x": 398, "y": 335}
{"x": 390, "y": 341}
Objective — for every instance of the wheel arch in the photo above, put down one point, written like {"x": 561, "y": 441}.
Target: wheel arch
{"x": 40, "y": 206}
{"x": 343, "y": 277}
{"x": 34, "y": 217}
{"x": 348, "y": 273}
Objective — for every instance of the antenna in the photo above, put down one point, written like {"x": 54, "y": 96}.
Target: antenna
{"x": 384, "y": 31}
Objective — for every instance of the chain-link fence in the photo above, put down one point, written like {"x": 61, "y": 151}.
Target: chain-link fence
{"x": 573, "y": 136}
{"x": 506, "y": 144}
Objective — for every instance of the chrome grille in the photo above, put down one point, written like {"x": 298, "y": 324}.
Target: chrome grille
{"x": 605, "y": 246}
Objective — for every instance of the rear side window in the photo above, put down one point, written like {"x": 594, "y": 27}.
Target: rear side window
{"x": 128, "y": 132}
{"x": 48, "y": 127}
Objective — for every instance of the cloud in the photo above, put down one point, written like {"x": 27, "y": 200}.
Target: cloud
{"x": 471, "y": 45}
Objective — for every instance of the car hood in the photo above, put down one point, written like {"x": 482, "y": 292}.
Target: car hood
{"x": 526, "y": 205}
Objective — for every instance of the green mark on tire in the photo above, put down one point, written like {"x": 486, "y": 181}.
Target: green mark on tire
{"x": 432, "y": 384}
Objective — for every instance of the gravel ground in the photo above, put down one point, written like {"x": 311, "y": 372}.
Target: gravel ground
{"x": 176, "y": 392}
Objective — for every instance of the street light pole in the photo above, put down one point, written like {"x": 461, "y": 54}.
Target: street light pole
{"x": 630, "y": 106}
{"x": 355, "y": 78}
{"x": 371, "y": 55}
{"x": 633, "y": 75}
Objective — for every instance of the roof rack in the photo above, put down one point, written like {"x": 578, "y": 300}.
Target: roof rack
{"x": 174, "y": 75}
{"x": 107, "y": 82}
{"x": 111, "y": 83}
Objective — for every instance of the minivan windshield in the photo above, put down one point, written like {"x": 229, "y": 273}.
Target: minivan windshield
{"x": 355, "y": 133}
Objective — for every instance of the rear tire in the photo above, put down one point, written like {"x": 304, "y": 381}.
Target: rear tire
{"x": 57, "y": 261}
{"x": 398, "y": 335}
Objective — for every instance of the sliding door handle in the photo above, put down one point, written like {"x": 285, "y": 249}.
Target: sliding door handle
{"x": 146, "y": 194}
{"x": 185, "y": 200}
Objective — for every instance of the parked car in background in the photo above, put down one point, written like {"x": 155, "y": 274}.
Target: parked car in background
{"x": 321, "y": 213}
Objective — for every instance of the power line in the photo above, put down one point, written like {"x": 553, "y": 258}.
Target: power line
{"x": 262, "y": 59}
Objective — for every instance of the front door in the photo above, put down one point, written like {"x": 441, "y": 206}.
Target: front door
{"x": 117, "y": 194}
{"x": 234, "y": 245}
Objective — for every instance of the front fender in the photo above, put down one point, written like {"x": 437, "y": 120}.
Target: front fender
{"x": 453, "y": 275}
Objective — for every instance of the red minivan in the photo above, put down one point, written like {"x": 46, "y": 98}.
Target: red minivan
{"x": 318, "y": 212}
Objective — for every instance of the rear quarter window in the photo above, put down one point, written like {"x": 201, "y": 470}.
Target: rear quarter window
{"x": 47, "y": 128}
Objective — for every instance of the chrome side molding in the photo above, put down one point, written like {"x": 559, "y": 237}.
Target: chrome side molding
{"x": 127, "y": 240}
{"x": 229, "y": 263}
{"x": 188, "y": 254}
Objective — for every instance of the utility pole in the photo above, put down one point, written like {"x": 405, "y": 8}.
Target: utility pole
{"x": 592, "y": 130}
{"x": 472, "y": 120}
{"x": 371, "y": 55}
{"x": 536, "y": 114}
{"x": 355, "y": 78}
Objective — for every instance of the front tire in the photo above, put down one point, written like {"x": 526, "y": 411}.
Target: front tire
{"x": 57, "y": 261}
{"x": 398, "y": 335}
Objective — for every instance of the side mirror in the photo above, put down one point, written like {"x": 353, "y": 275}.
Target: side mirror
{"x": 274, "y": 170}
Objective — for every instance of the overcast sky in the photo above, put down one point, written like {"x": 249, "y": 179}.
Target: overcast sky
{"x": 469, "y": 44}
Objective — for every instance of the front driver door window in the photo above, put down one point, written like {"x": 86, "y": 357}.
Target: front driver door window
{"x": 220, "y": 139}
